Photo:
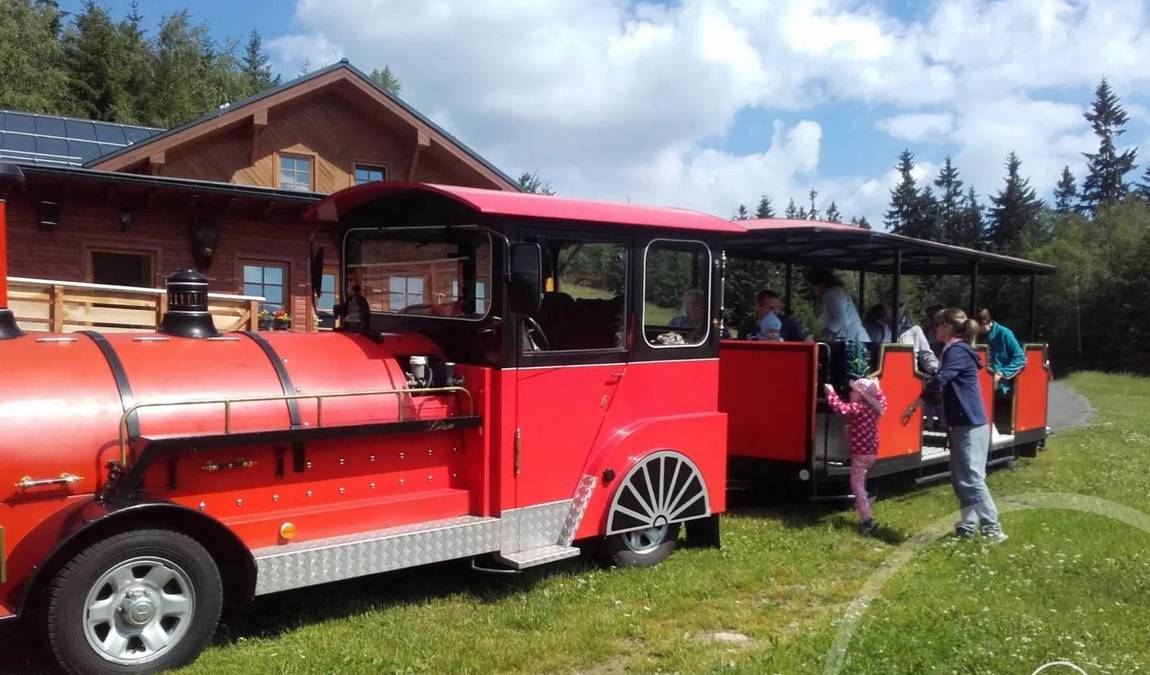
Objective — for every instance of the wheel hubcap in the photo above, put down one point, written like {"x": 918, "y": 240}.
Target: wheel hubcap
{"x": 138, "y": 609}
{"x": 648, "y": 539}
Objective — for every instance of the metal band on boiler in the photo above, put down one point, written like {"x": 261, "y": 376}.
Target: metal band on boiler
{"x": 281, "y": 372}
{"x": 127, "y": 398}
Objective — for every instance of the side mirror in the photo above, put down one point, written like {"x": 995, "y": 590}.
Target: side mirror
{"x": 525, "y": 285}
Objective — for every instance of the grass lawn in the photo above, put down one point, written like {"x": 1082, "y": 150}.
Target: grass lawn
{"x": 1067, "y": 585}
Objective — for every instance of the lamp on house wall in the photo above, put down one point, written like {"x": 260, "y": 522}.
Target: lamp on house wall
{"x": 205, "y": 236}
{"x": 49, "y": 215}
{"x": 125, "y": 220}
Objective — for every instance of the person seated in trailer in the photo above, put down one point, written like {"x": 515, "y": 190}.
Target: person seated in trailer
{"x": 1007, "y": 357}
{"x": 930, "y": 316}
{"x": 908, "y": 334}
{"x": 875, "y": 323}
{"x": 768, "y": 303}
{"x": 354, "y": 313}
{"x": 838, "y": 315}
{"x": 693, "y": 320}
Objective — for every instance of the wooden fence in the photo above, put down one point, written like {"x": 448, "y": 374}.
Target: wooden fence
{"x": 67, "y": 306}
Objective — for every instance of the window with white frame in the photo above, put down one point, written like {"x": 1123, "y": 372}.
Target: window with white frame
{"x": 296, "y": 173}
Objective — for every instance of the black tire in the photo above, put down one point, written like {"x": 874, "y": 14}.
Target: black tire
{"x": 620, "y": 550}
{"x": 194, "y": 585}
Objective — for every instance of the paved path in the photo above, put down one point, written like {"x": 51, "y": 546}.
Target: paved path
{"x": 1067, "y": 408}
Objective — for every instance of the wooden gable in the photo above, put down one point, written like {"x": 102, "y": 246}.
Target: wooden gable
{"x": 332, "y": 121}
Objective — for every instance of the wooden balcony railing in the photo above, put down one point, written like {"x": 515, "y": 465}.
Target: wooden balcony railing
{"x": 67, "y": 306}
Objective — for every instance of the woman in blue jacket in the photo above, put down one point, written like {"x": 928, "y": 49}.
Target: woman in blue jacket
{"x": 969, "y": 432}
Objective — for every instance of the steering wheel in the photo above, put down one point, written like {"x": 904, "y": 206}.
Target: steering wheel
{"x": 537, "y": 334}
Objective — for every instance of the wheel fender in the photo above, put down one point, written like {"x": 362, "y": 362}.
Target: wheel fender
{"x": 237, "y": 567}
{"x": 700, "y": 439}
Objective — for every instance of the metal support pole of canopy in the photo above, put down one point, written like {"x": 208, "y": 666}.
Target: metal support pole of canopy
{"x": 1033, "y": 308}
{"x": 787, "y": 288}
{"x": 974, "y": 289}
{"x": 896, "y": 293}
{"x": 862, "y": 290}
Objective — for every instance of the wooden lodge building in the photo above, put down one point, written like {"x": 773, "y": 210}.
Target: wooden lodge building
{"x": 116, "y": 204}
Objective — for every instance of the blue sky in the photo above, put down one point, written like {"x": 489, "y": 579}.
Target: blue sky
{"x": 709, "y": 103}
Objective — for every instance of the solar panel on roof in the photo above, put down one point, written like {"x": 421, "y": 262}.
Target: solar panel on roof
{"x": 81, "y": 131}
{"x": 84, "y": 150}
{"x": 51, "y": 126}
{"x": 137, "y": 134}
{"x": 110, "y": 133}
{"x": 19, "y": 122}
{"x": 18, "y": 142}
{"x": 57, "y": 148}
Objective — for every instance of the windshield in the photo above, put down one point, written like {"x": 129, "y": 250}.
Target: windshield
{"x": 431, "y": 271}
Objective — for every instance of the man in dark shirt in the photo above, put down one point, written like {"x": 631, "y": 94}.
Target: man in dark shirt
{"x": 768, "y": 302}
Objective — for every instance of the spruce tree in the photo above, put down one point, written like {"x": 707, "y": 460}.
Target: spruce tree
{"x": 741, "y": 213}
{"x": 861, "y": 221}
{"x": 386, "y": 79}
{"x": 1107, "y": 168}
{"x": 1066, "y": 192}
{"x": 792, "y": 211}
{"x": 531, "y": 183}
{"x": 137, "y": 63}
{"x": 949, "y": 201}
{"x": 970, "y": 229}
{"x": 813, "y": 214}
{"x": 1015, "y": 210}
{"x": 1144, "y": 186}
{"x": 95, "y": 62}
{"x": 912, "y": 211}
{"x": 832, "y": 215}
{"x": 764, "y": 210}
{"x": 257, "y": 70}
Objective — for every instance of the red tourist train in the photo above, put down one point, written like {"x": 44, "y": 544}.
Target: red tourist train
{"x": 523, "y": 386}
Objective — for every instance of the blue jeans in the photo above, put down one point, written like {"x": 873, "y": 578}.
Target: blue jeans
{"x": 968, "y": 449}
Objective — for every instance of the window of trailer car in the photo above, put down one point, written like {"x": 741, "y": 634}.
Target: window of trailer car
{"x": 442, "y": 272}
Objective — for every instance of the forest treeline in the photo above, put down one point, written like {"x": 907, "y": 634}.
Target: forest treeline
{"x": 91, "y": 65}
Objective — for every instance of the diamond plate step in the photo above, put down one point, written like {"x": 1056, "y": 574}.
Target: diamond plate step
{"x": 319, "y": 561}
{"x": 931, "y": 454}
{"x": 539, "y": 556}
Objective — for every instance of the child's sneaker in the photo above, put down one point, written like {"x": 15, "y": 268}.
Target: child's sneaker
{"x": 868, "y": 526}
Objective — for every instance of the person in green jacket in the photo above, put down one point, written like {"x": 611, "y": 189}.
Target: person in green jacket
{"x": 1007, "y": 357}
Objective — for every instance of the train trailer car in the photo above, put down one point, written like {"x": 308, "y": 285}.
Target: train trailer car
{"x": 515, "y": 384}
{"x": 773, "y": 391}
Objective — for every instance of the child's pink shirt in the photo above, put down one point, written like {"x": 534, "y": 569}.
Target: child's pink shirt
{"x": 862, "y": 422}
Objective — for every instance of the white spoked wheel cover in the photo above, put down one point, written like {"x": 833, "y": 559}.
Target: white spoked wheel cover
{"x": 663, "y": 488}
{"x": 138, "y": 609}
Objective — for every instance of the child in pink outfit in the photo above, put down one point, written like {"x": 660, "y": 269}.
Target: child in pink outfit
{"x": 866, "y": 405}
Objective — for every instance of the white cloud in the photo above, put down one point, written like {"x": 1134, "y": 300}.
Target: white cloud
{"x": 617, "y": 99}
{"x": 917, "y": 127}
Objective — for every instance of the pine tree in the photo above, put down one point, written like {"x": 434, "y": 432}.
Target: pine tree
{"x": 912, "y": 211}
{"x": 832, "y": 215}
{"x": 1065, "y": 192}
{"x": 741, "y": 213}
{"x": 531, "y": 183}
{"x": 765, "y": 210}
{"x": 1107, "y": 168}
{"x": 1015, "y": 211}
{"x": 137, "y": 63}
{"x": 386, "y": 79}
{"x": 813, "y": 214}
{"x": 257, "y": 70}
{"x": 792, "y": 211}
{"x": 949, "y": 201}
{"x": 94, "y": 60}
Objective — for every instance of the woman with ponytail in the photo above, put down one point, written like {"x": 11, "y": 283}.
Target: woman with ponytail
{"x": 969, "y": 432}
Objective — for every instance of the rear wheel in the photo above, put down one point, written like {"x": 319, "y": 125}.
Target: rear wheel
{"x": 137, "y": 602}
{"x": 641, "y": 548}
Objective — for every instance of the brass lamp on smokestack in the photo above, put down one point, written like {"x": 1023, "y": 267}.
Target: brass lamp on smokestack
{"x": 10, "y": 175}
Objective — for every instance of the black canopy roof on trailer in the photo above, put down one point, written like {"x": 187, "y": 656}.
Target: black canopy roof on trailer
{"x": 839, "y": 246}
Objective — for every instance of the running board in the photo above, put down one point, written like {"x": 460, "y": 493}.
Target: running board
{"x": 539, "y": 556}
{"x": 280, "y": 568}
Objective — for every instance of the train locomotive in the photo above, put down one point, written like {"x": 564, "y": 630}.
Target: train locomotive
{"x": 147, "y": 480}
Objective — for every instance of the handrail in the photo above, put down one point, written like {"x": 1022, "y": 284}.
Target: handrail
{"x": 228, "y": 402}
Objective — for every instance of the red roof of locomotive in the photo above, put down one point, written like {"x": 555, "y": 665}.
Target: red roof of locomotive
{"x": 501, "y": 203}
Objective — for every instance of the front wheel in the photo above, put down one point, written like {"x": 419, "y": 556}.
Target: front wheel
{"x": 641, "y": 548}
{"x": 137, "y": 602}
